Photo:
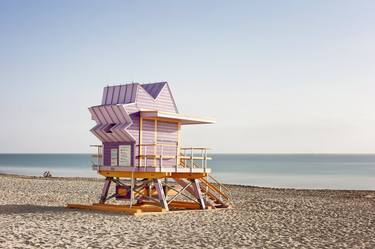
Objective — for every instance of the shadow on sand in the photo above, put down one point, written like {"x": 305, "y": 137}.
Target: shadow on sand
{"x": 38, "y": 209}
{"x": 27, "y": 208}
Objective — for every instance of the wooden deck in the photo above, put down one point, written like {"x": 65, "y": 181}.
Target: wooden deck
{"x": 152, "y": 172}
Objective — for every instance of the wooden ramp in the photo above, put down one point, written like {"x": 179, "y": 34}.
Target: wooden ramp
{"x": 134, "y": 210}
{"x": 138, "y": 209}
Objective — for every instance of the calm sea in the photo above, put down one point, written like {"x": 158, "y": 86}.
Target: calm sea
{"x": 268, "y": 170}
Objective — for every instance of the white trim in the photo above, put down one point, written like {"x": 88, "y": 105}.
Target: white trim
{"x": 184, "y": 119}
{"x": 152, "y": 169}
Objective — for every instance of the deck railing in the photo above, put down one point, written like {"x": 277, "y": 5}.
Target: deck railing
{"x": 97, "y": 158}
{"x": 187, "y": 155}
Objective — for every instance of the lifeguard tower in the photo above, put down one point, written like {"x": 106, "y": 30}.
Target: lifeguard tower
{"x": 141, "y": 154}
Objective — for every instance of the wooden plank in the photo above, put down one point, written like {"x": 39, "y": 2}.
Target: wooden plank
{"x": 105, "y": 189}
{"x": 155, "y": 139}
{"x": 161, "y": 194}
{"x": 188, "y": 175}
{"x": 142, "y": 207}
{"x": 140, "y": 141}
{"x": 130, "y": 174}
{"x": 184, "y": 205}
{"x": 195, "y": 158}
{"x": 198, "y": 193}
{"x": 181, "y": 205}
{"x": 155, "y": 156}
{"x": 178, "y": 152}
{"x": 156, "y": 144}
{"x": 163, "y": 119}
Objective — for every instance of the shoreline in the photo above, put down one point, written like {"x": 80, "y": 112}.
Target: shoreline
{"x": 98, "y": 179}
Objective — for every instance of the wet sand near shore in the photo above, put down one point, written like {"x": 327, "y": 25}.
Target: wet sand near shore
{"x": 33, "y": 215}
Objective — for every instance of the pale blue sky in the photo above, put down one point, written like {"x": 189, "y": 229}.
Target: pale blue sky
{"x": 279, "y": 76}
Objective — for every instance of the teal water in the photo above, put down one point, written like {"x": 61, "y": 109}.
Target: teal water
{"x": 268, "y": 170}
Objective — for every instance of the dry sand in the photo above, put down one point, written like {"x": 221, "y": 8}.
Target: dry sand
{"x": 32, "y": 215}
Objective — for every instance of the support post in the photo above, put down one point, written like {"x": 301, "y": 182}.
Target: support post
{"x": 105, "y": 189}
{"x": 161, "y": 195}
{"x": 198, "y": 193}
{"x": 178, "y": 152}
{"x": 161, "y": 158}
{"x": 140, "y": 141}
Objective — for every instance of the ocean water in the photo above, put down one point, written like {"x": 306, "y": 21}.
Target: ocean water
{"x": 318, "y": 171}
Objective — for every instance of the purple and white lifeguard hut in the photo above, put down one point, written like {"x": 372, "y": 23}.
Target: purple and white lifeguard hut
{"x": 139, "y": 126}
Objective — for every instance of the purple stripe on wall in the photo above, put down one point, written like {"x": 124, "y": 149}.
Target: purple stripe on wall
{"x": 122, "y": 94}
{"x": 104, "y": 98}
{"x": 93, "y": 115}
{"x": 105, "y": 114}
{"x": 109, "y": 96}
{"x": 124, "y": 114}
{"x": 98, "y": 114}
{"x": 128, "y": 94}
{"x": 134, "y": 92}
{"x": 117, "y": 113}
{"x": 116, "y": 95}
{"x": 112, "y": 114}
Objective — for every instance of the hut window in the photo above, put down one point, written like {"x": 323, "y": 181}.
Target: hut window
{"x": 108, "y": 128}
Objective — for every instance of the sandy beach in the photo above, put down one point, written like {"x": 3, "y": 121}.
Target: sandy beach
{"x": 33, "y": 215}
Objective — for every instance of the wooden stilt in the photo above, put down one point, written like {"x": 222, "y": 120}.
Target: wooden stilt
{"x": 198, "y": 193}
{"x": 161, "y": 195}
{"x": 106, "y": 186}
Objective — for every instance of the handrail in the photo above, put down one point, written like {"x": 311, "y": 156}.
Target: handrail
{"x": 98, "y": 155}
{"x": 194, "y": 148}
{"x": 171, "y": 145}
{"x": 211, "y": 186}
{"x": 218, "y": 183}
{"x": 228, "y": 194}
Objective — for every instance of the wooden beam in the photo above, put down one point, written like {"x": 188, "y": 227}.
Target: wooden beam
{"x": 198, "y": 193}
{"x": 142, "y": 207}
{"x": 155, "y": 139}
{"x": 188, "y": 175}
{"x": 107, "y": 184}
{"x": 129, "y": 174}
{"x": 184, "y": 184}
{"x": 135, "y": 210}
{"x": 178, "y": 144}
{"x": 161, "y": 195}
{"x": 140, "y": 140}
{"x": 167, "y": 120}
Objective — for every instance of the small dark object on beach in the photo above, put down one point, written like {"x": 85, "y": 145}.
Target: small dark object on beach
{"x": 47, "y": 174}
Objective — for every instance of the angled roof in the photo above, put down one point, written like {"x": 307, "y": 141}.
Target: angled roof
{"x": 119, "y": 102}
{"x": 120, "y": 94}
{"x": 154, "y": 88}
{"x": 125, "y": 94}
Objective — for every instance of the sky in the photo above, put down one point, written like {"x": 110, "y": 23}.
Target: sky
{"x": 278, "y": 76}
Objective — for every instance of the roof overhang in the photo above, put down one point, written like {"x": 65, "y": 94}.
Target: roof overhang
{"x": 175, "y": 117}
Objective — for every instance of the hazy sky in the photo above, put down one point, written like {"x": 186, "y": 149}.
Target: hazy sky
{"x": 278, "y": 76}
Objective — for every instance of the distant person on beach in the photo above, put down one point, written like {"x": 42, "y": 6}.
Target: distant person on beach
{"x": 47, "y": 174}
